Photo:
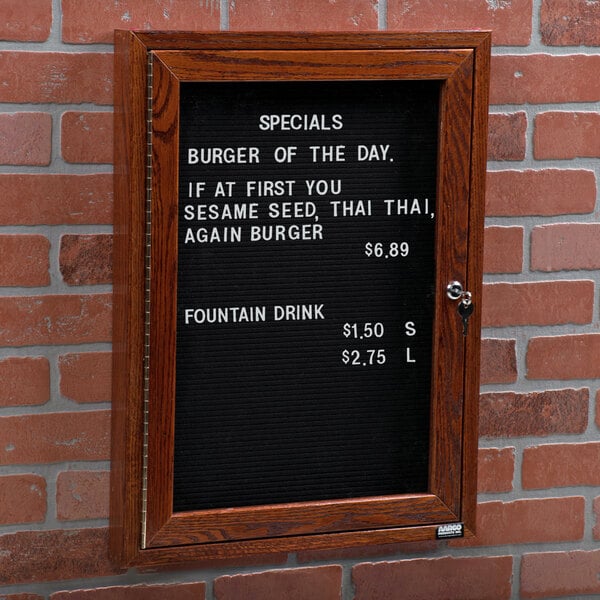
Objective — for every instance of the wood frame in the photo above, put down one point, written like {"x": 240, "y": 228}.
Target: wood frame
{"x": 144, "y": 531}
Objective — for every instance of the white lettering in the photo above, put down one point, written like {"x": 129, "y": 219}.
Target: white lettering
{"x": 282, "y": 233}
{"x": 200, "y": 187}
{"x": 218, "y": 212}
{"x": 300, "y": 122}
{"x": 213, "y": 235}
{"x": 396, "y": 207}
{"x": 224, "y": 189}
{"x": 223, "y": 156}
{"x": 372, "y": 152}
{"x": 351, "y": 208}
{"x": 322, "y": 187}
{"x": 298, "y": 312}
{"x": 229, "y": 314}
{"x": 292, "y": 210}
{"x": 328, "y": 153}
{"x": 279, "y": 187}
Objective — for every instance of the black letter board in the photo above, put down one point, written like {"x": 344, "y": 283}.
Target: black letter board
{"x": 292, "y": 371}
{"x": 304, "y": 326}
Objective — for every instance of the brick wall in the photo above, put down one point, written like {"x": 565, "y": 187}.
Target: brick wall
{"x": 539, "y": 475}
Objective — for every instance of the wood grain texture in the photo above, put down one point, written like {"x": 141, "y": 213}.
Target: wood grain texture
{"x": 239, "y": 549}
{"x": 461, "y": 60}
{"x": 188, "y": 40}
{"x": 128, "y": 313}
{"x": 293, "y": 65}
{"x": 451, "y": 259}
{"x": 268, "y": 522}
{"x": 475, "y": 281}
{"x": 163, "y": 309}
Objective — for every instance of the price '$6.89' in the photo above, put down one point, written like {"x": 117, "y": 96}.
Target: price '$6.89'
{"x": 387, "y": 250}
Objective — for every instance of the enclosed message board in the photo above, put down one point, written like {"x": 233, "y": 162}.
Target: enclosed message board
{"x": 290, "y": 369}
{"x": 305, "y": 291}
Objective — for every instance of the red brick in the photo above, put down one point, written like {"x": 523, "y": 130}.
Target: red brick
{"x": 86, "y": 259}
{"x": 320, "y": 583}
{"x": 495, "y": 470}
{"x": 94, "y": 21}
{"x": 22, "y": 499}
{"x": 26, "y": 20}
{"x": 533, "y": 521}
{"x": 55, "y": 437}
{"x": 60, "y": 319}
{"x": 510, "y": 414}
{"x": 82, "y": 495}
{"x": 25, "y": 381}
{"x": 565, "y": 247}
{"x": 87, "y": 137}
{"x": 561, "y": 465}
{"x": 506, "y": 137}
{"x": 570, "y": 23}
{"x": 352, "y": 15}
{"x": 564, "y": 357}
{"x": 25, "y": 139}
{"x": 62, "y": 77}
{"x": 40, "y": 556}
{"x": 596, "y": 530}
{"x": 86, "y": 377}
{"x": 566, "y": 135}
{"x": 172, "y": 591}
{"x": 547, "y": 192}
{"x": 25, "y": 260}
{"x": 558, "y": 574}
{"x": 498, "y": 361}
{"x": 448, "y": 578}
{"x": 503, "y": 250}
{"x": 540, "y": 303}
{"x": 44, "y": 199}
{"x": 510, "y": 21}
{"x": 598, "y": 408}
{"x": 544, "y": 79}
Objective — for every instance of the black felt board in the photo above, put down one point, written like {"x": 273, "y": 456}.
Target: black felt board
{"x": 267, "y": 411}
